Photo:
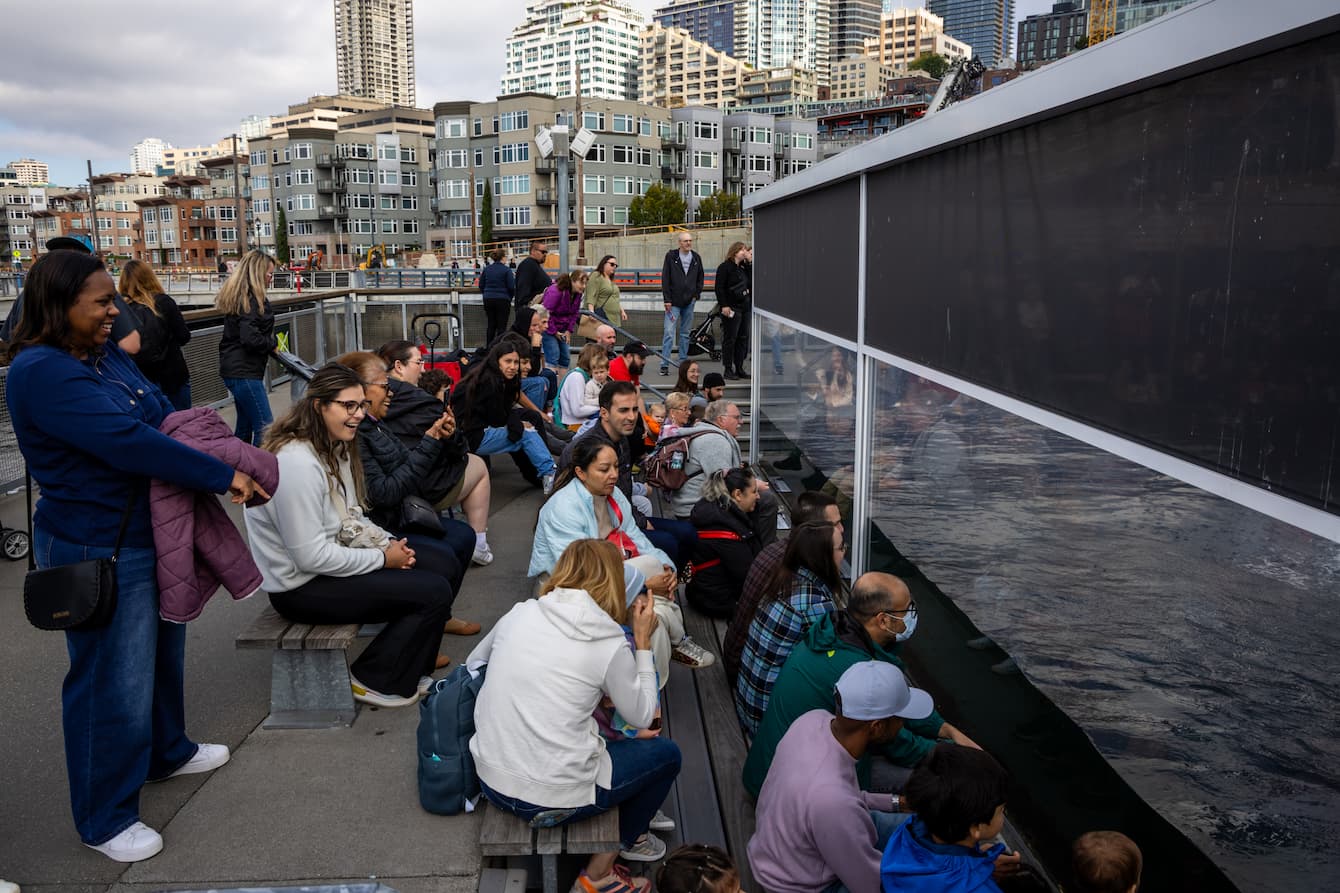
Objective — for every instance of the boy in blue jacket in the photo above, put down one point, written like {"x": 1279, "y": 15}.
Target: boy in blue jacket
{"x": 958, "y": 794}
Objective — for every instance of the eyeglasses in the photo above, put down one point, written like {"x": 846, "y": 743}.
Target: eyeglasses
{"x": 353, "y": 407}
{"x": 897, "y": 612}
{"x": 384, "y": 383}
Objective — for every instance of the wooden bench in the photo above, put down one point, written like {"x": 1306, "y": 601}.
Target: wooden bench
{"x": 309, "y": 675}
{"x": 503, "y": 834}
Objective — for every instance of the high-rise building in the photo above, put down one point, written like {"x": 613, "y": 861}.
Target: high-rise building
{"x": 29, "y": 172}
{"x": 859, "y": 77}
{"x": 854, "y": 22}
{"x": 253, "y": 126}
{"x": 602, "y": 38}
{"x": 678, "y": 70}
{"x": 146, "y": 156}
{"x": 905, "y": 34}
{"x": 711, "y": 21}
{"x": 1134, "y": 13}
{"x": 985, "y": 25}
{"x": 374, "y": 49}
{"x": 17, "y": 227}
{"x": 780, "y": 33}
{"x": 1049, "y": 36}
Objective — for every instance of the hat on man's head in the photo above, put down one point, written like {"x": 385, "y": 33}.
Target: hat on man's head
{"x": 714, "y": 380}
{"x": 875, "y": 689}
{"x": 65, "y": 243}
{"x": 637, "y": 347}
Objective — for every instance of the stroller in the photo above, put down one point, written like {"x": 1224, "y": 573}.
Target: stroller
{"x": 701, "y": 340}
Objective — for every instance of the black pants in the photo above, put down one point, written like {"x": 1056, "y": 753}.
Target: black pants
{"x": 414, "y": 604}
{"x": 735, "y": 339}
{"x": 497, "y": 311}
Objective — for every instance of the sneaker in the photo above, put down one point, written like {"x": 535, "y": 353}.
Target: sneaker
{"x": 483, "y": 556}
{"x": 547, "y": 483}
{"x": 661, "y": 822}
{"x": 690, "y": 652}
{"x": 778, "y": 370}
{"x": 208, "y": 757}
{"x": 377, "y": 699}
{"x": 665, "y": 370}
{"x": 742, "y": 373}
{"x": 619, "y": 881}
{"x": 135, "y": 844}
{"x": 425, "y": 683}
{"x": 649, "y": 848}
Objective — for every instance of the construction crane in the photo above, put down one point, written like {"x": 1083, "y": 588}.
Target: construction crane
{"x": 1102, "y": 20}
{"x": 955, "y": 84}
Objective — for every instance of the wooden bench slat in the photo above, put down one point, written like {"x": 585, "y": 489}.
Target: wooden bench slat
{"x": 698, "y": 814}
{"x": 265, "y": 631}
{"x": 503, "y": 834}
{"x": 296, "y": 635}
{"x": 331, "y": 637}
{"x": 599, "y": 834}
{"x": 548, "y": 841}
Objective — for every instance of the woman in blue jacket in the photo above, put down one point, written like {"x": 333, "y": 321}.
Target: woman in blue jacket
{"x": 497, "y": 285}
{"x": 87, "y": 422}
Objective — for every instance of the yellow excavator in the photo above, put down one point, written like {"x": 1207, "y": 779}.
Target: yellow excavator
{"x": 376, "y": 258}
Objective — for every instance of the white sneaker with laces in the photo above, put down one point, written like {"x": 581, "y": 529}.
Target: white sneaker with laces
{"x": 649, "y": 848}
{"x": 483, "y": 555}
{"x": 690, "y": 652}
{"x": 135, "y": 844}
{"x": 377, "y": 699}
{"x": 208, "y": 757}
{"x": 661, "y": 822}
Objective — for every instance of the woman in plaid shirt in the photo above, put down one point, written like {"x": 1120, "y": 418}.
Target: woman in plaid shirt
{"x": 802, "y": 591}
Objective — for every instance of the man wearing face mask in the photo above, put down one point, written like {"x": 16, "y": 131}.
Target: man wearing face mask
{"x": 880, "y": 616}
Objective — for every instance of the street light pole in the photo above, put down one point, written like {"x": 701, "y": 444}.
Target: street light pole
{"x": 240, "y": 228}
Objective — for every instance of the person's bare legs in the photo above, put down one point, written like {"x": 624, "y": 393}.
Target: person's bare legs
{"x": 477, "y": 493}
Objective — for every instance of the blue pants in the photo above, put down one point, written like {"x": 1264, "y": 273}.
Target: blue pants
{"x": 531, "y": 443}
{"x": 180, "y": 398}
{"x": 556, "y": 351}
{"x": 673, "y": 537}
{"x": 253, "y": 408}
{"x": 642, "y": 772}
{"x": 536, "y": 388}
{"x": 678, "y": 324}
{"x": 886, "y": 823}
{"x": 123, "y": 709}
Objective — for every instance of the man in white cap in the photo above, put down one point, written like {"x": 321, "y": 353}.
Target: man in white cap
{"x": 815, "y": 826}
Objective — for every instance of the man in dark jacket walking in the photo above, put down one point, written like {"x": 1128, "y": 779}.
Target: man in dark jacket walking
{"x": 681, "y": 284}
{"x": 531, "y": 277}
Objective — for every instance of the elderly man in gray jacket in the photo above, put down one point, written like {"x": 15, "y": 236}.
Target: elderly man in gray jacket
{"x": 716, "y": 449}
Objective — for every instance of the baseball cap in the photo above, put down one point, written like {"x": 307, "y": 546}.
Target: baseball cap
{"x": 874, "y": 689}
{"x": 714, "y": 380}
{"x": 636, "y": 347}
{"x": 634, "y": 581}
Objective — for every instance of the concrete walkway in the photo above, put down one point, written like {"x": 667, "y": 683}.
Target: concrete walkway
{"x": 292, "y": 807}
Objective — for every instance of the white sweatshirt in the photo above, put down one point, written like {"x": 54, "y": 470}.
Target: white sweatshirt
{"x": 292, "y": 537}
{"x": 572, "y": 399}
{"x": 550, "y": 660}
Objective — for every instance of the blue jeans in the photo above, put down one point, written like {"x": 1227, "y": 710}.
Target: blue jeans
{"x": 678, "y": 323}
{"x": 253, "y": 408}
{"x": 180, "y": 398}
{"x": 556, "y": 351}
{"x": 536, "y": 388}
{"x": 886, "y": 823}
{"x": 531, "y": 443}
{"x": 123, "y": 708}
{"x": 673, "y": 537}
{"x": 642, "y": 771}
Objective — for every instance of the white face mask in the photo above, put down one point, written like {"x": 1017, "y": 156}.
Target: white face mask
{"x": 910, "y": 622}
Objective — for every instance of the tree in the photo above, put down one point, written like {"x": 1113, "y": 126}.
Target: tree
{"x": 281, "y": 238}
{"x": 1082, "y": 42}
{"x": 486, "y": 214}
{"x": 719, "y": 206}
{"x": 933, "y": 64}
{"x": 661, "y": 205}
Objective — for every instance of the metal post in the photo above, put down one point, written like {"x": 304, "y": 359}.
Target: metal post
{"x": 93, "y": 212}
{"x": 350, "y": 330}
{"x": 562, "y": 159}
{"x": 581, "y": 187}
{"x": 237, "y": 201}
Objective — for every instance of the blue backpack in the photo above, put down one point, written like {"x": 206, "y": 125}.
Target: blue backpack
{"x": 448, "y": 784}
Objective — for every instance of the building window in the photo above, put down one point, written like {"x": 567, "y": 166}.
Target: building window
{"x": 593, "y": 214}
{"x": 509, "y": 121}
{"x": 364, "y": 202}
{"x": 390, "y": 226}
{"x": 511, "y": 153}
{"x": 516, "y": 184}
{"x": 450, "y": 128}
{"x": 624, "y": 123}
{"x": 409, "y": 178}
{"x": 261, "y": 206}
{"x": 622, "y": 185}
{"x": 644, "y": 128}
{"x": 644, "y": 156}
{"x": 302, "y": 150}
{"x": 703, "y": 188}
{"x": 623, "y": 154}
{"x": 410, "y": 226}
{"x": 304, "y": 201}
{"x": 593, "y": 120}
{"x": 408, "y": 154}
{"x": 706, "y": 160}
{"x": 619, "y": 216}
{"x": 593, "y": 184}
{"x": 359, "y": 175}
{"x": 259, "y": 157}
{"x": 761, "y": 135}
{"x": 388, "y": 202}
{"x": 454, "y": 188}
{"x": 759, "y": 163}
{"x": 388, "y": 152}
{"x": 409, "y": 203}
{"x": 706, "y": 130}
{"x": 304, "y": 176}
{"x": 512, "y": 216}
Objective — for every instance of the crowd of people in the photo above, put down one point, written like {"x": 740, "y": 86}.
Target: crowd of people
{"x": 350, "y": 518}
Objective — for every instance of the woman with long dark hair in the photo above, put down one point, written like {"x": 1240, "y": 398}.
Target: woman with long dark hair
{"x": 726, "y": 545}
{"x": 324, "y": 561}
{"x": 86, "y": 421}
{"x": 163, "y": 332}
{"x": 247, "y": 342}
{"x": 803, "y": 588}
{"x": 486, "y": 411}
{"x": 735, "y": 300}
{"x": 602, "y": 295}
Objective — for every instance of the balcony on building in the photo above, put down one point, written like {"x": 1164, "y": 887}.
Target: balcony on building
{"x": 545, "y": 197}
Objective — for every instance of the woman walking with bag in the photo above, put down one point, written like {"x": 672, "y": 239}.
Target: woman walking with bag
{"x": 247, "y": 342}
{"x": 163, "y": 332}
{"x": 87, "y": 423}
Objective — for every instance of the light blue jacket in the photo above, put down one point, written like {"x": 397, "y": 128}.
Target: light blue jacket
{"x": 570, "y": 515}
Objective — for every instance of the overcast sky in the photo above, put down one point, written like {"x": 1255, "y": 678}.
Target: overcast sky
{"x": 90, "y": 78}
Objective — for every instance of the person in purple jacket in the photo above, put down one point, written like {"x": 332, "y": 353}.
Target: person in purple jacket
{"x": 563, "y": 300}
{"x": 817, "y": 831}
{"x": 87, "y": 422}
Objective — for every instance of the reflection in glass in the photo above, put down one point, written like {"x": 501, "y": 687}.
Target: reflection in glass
{"x": 1196, "y": 642}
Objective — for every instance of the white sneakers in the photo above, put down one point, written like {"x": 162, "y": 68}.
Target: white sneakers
{"x": 377, "y": 699}
{"x": 690, "y": 652}
{"x": 135, "y": 844}
{"x": 483, "y": 555}
{"x": 207, "y": 758}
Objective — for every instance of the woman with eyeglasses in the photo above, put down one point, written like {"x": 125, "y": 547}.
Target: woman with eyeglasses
{"x": 801, "y": 590}
{"x": 602, "y": 295}
{"x": 324, "y": 561}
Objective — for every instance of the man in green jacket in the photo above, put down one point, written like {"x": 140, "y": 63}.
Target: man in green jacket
{"x": 880, "y": 615}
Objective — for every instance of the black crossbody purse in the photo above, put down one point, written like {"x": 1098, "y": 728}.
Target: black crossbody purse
{"x": 72, "y": 596}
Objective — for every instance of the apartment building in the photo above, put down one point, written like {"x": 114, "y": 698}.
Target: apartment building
{"x": 66, "y": 214}
{"x": 984, "y": 25}
{"x": 679, "y": 70}
{"x": 19, "y": 201}
{"x": 119, "y": 220}
{"x": 779, "y": 86}
{"x": 29, "y": 172}
{"x": 345, "y": 185}
{"x": 374, "y": 50}
{"x": 601, "y": 38}
{"x": 187, "y": 160}
{"x": 224, "y": 201}
{"x": 860, "y": 77}
{"x": 147, "y": 156}
{"x": 1049, "y": 36}
{"x": 780, "y": 33}
{"x": 905, "y": 34}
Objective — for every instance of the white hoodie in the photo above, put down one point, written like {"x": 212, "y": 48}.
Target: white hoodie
{"x": 550, "y": 660}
